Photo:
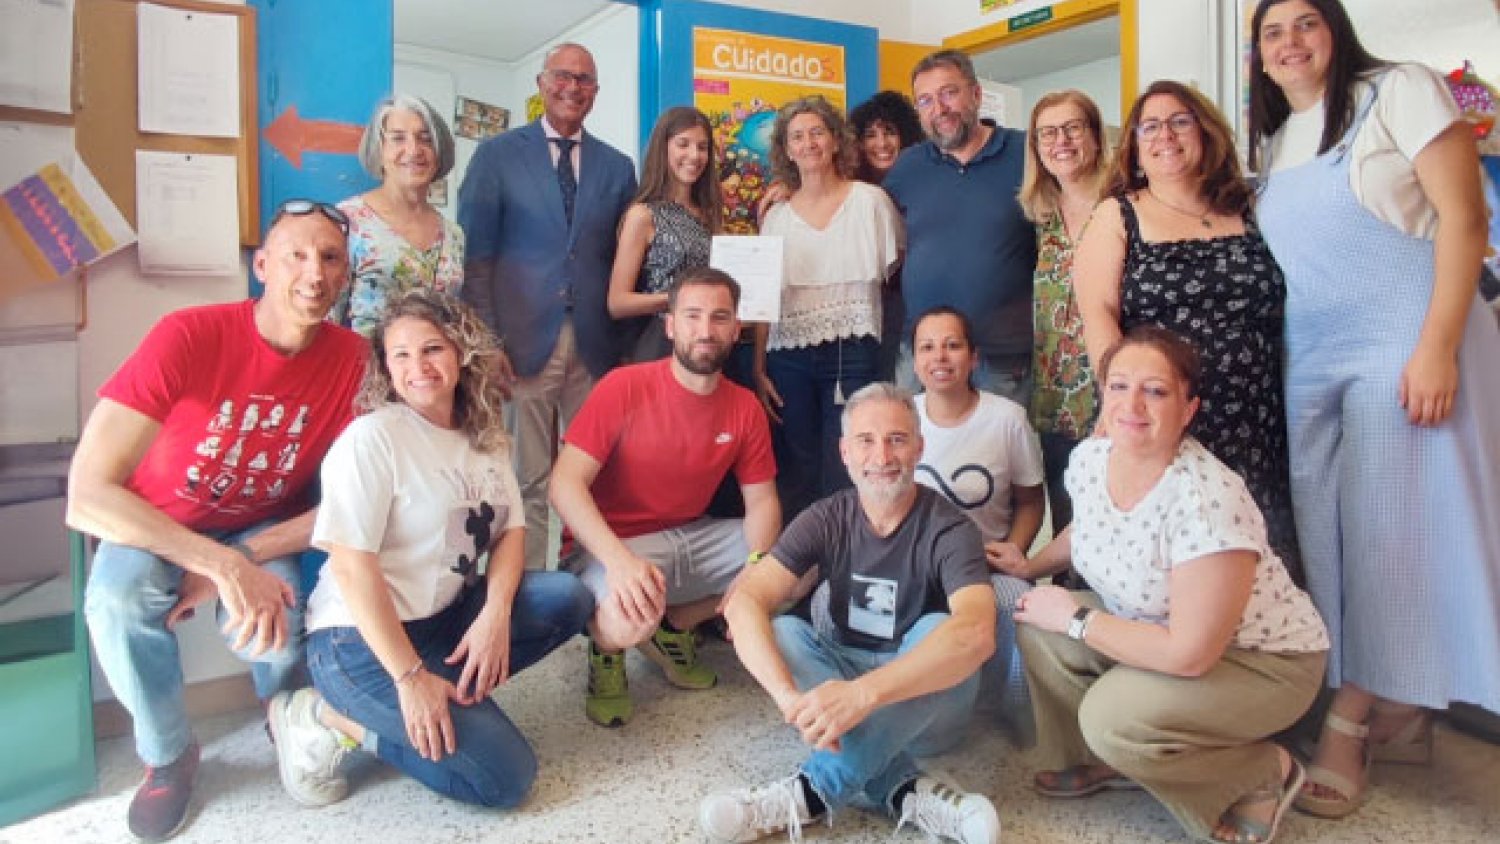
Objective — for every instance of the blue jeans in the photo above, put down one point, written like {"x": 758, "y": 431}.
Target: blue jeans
{"x": 494, "y": 765}
{"x": 808, "y": 466}
{"x": 129, "y": 594}
{"x": 874, "y": 759}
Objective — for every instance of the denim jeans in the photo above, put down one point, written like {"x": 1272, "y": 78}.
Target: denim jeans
{"x": 874, "y": 758}
{"x": 129, "y": 593}
{"x": 493, "y": 765}
{"x": 810, "y": 380}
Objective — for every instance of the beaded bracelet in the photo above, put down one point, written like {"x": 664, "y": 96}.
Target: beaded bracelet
{"x": 410, "y": 672}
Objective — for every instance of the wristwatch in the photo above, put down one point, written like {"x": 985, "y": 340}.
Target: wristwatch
{"x": 1079, "y": 623}
{"x": 755, "y": 557}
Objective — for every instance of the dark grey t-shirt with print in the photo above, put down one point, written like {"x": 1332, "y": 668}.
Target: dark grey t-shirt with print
{"x": 880, "y": 586}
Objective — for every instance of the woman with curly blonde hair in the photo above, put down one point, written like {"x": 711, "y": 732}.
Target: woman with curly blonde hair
{"x": 424, "y": 607}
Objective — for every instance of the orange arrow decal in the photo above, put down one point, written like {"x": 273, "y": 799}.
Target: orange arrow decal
{"x": 291, "y": 136}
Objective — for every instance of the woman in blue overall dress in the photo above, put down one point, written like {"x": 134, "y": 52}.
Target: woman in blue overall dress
{"x": 1371, "y": 205}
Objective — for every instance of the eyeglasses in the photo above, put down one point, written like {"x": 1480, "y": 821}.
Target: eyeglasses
{"x": 303, "y": 207}
{"x": 1180, "y": 123}
{"x": 947, "y": 96}
{"x": 563, "y": 78}
{"x": 1072, "y": 130}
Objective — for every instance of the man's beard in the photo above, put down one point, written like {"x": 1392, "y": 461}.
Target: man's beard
{"x": 883, "y": 491}
{"x": 712, "y": 365}
{"x": 960, "y": 135}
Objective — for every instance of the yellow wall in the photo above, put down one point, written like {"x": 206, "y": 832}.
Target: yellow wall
{"x": 897, "y": 58}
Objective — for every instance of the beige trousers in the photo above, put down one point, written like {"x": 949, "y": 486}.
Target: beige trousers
{"x": 541, "y": 408}
{"x": 1197, "y": 744}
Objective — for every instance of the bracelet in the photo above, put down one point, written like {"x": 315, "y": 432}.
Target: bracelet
{"x": 1078, "y": 625}
{"x": 755, "y": 557}
{"x": 244, "y": 549}
{"x": 410, "y": 672}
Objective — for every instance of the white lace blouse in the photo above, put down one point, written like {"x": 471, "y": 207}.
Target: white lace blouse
{"x": 833, "y": 274}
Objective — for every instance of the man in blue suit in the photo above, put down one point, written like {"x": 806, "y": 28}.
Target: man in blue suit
{"x": 539, "y": 207}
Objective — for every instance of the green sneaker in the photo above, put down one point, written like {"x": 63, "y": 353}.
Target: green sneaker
{"x": 677, "y": 654}
{"x": 608, "y": 702}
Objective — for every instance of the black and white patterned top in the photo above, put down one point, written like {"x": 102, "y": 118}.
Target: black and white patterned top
{"x": 1224, "y": 295}
{"x": 681, "y": 243}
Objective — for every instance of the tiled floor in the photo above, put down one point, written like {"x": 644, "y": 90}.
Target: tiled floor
{"x": 642, "y": 783}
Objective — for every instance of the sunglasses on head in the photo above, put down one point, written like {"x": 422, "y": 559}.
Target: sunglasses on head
{"x": 303, "y": 207}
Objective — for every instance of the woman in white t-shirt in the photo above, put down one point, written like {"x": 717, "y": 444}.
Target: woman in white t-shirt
{"x": 1194, "y": 638}
{"x": 423, "y": 607}
{"x": 842, "y": 240}
{"x": 1371, "y": 204}
{"x": 979, "y": 451}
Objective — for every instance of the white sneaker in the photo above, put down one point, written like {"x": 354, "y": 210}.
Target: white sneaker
{"x": 945, "y": 813}
{"x": 748, "y": 814}
{"x": 307, "y": 752}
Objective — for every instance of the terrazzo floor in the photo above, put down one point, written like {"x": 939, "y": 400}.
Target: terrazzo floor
{"x": 641, "y": 784}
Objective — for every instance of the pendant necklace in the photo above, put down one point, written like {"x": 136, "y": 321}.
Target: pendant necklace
{"x": 1202, "y": 218}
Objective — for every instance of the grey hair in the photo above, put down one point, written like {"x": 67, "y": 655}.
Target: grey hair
{"x": 880, "y": 391}
{"x": 372, "y": 143}
{"x": 956, "y": 59}
{"x": 566, "y": 45}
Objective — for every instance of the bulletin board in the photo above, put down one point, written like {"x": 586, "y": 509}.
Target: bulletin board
{"x": 105, "y": 105}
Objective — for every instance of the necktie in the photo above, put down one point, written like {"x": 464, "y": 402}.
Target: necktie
{"x": 567, "y": 181}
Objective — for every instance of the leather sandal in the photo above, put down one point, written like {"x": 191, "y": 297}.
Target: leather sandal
{"x": 1410, "y": 745}
{"x": 1252, "y": 831}
{"x": 1347, "y": 793}
{"x": 1080, "y": 781}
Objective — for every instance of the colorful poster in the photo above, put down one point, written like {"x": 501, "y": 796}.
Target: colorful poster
{"x": 53, "y": 222}
{"x": 740, "y": 79}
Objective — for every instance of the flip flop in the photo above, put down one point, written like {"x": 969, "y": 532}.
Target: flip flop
{"x": 1251, "y": 831}
{"x": 1076, "y": 782}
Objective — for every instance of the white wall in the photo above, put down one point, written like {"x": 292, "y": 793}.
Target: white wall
{"x": 930, "y": 21}
{"x": 1099, "y": 79}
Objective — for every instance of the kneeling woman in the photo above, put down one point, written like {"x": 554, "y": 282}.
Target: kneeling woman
{"x": 423, "y": 607}
{"x": 1195, "y": 646}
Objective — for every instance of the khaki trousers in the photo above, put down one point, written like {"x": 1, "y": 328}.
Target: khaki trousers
{"x": 541, "y": 408}
{"x": 1197, "y": 744}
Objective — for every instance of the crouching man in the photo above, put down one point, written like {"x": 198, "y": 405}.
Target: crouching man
{"x": 914, "y": 618}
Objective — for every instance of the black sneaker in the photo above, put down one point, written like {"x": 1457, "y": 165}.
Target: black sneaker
{"x": 160, "y": 805}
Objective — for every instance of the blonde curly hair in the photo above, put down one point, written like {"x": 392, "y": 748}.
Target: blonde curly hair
{"x": 478, "y": 399}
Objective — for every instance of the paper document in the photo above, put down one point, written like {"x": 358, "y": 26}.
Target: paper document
{"x": 36, "y": 54}
{"x": 54, "y": 221}
{"x": 189, "y": 72}
{"x": 187, "y": 210}
{"x": 755, "y": 261}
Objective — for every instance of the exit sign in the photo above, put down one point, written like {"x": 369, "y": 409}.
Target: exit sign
{"x": 1035, "y": 17}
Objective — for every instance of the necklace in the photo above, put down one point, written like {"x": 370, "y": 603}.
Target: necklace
{"x": 1202, "y": 218}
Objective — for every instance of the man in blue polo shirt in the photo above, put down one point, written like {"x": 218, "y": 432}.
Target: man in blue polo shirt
{"x": 968, "y": 244}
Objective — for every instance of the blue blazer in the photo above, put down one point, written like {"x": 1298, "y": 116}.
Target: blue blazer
{"x": 511, "y": 211}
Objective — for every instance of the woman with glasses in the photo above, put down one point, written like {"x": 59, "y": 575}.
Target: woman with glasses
{"x": 1174, "y": 245}
{"x": 397, "y": 240}
{"x": 669, "y": 227}
{"x": 1066, "y": 163}
{"x": 423, "y": 609}
{"x": 842, "y": 241}
{"x": 1372, "y": 205}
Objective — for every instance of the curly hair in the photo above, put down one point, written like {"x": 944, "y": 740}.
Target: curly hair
{"x": 1223, "y": 184}
{"x": 478, "y": 398}
{"x": 893, "y": 109}
{"x": 1040, "y": 191}
{"x": 844, "y": 151}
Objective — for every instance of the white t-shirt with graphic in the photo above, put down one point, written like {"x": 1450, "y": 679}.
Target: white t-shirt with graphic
{"x": 421, "y": 498}
{"x": 1199, "y": 507}
{"x": 975, "y": 463}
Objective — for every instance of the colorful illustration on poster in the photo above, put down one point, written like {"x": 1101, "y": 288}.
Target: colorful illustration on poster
{"x": 740, "y": 79}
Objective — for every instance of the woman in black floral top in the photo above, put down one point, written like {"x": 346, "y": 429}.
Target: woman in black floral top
{"x": 1175, "y": 245}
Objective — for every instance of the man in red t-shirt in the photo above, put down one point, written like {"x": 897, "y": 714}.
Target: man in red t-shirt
{"x": 643, "y": 458}
{"x": 194, "y": 471}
